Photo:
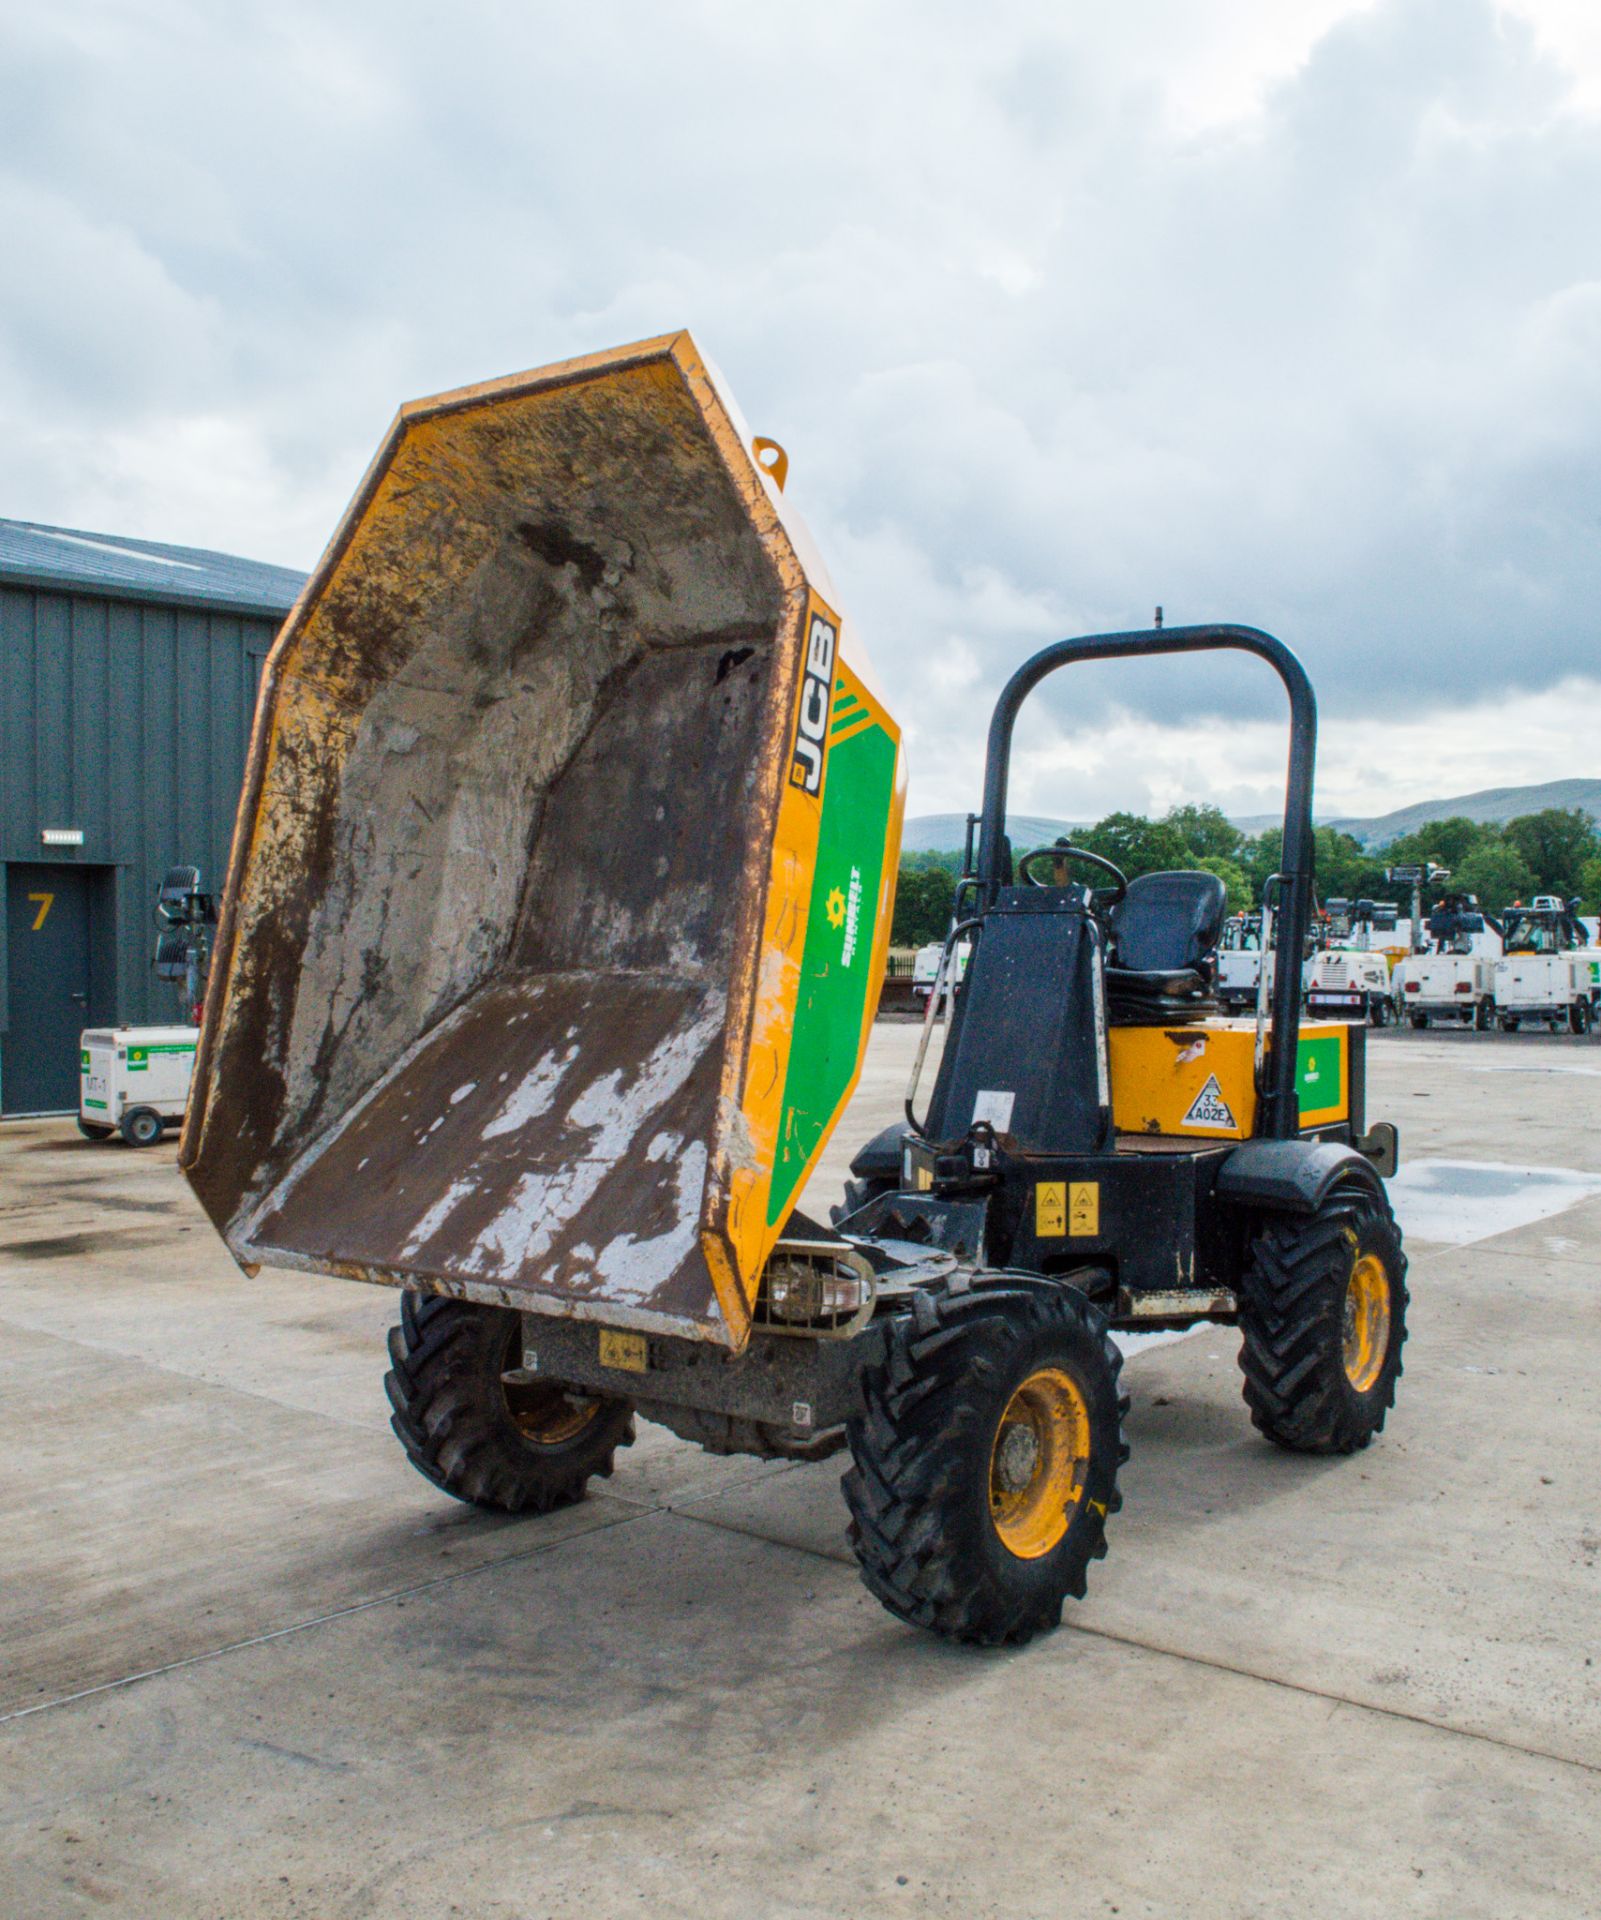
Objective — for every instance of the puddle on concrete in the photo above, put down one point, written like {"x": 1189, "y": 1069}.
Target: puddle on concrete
{"x": 1456, "y": 1202}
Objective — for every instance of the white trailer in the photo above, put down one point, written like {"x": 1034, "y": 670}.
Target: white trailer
{"x": 1347, "y": 983}
{"x": 1454, "y": 980}
{"x": 134, "y": 1081}
{"x": 925, "y": 966}
{"x": 1239, "y": 962}
{"x": 1454, "y": 988}
{"x": 1547, "y": 976}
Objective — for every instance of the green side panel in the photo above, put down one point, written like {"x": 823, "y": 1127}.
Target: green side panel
{"x": 837, "y": 962}
{"x": 1317, "y": 1074}
{"x": 139, "y": 1057}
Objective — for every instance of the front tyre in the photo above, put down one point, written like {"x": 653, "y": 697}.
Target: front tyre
{"x": 140, "y": 1126}
{"x": 986, "y": 1458}
{"x": 515, "y": 1446}
{"x": 1579, "y": 1017}
{"x": 1323, "y": 1318}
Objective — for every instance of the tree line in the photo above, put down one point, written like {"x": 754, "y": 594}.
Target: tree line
{"x": 1557, "y": 850}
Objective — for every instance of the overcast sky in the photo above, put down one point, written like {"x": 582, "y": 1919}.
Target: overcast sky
{"x": 1283, "y": 311}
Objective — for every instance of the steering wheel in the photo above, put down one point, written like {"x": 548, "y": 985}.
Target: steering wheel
{"x": 1104, "y": 896}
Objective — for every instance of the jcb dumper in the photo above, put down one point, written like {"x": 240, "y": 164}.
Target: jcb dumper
{"x": 557, "y": 915}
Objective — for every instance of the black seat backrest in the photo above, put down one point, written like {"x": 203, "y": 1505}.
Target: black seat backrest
{"x": 1167, "y": 921}
{"x": 1025, "y": 1049}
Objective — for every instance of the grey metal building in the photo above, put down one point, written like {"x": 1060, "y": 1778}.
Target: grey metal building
{"x": 128, "y": 675}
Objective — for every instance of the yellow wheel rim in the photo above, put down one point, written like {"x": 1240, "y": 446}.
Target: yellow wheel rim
{"x": 1038, "y": 1461}
{"x": 1367, "y": 1322}
{"x": 545, "y": 1414}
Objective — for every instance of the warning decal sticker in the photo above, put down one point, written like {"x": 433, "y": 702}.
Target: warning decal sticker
{"x": 1210, "y": 1109}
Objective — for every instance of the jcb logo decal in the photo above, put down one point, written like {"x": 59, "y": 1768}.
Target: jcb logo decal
{"x": 817, "y": 697}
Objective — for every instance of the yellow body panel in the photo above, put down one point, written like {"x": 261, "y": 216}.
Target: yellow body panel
{"x": 756, "y": 1082}
{"x": 1199, "y": 1081}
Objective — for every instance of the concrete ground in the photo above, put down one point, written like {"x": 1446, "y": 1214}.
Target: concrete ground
{"x": 253, "y": 1665}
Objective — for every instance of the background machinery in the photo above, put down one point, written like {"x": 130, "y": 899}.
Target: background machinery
{"x": 1240, "y": 960}
{"x": 1349, "y": 979}
{"x": 1549, "y": 974}
{"x": 550, "y": 948}
{"x": 926, "y": 966}
{"x": 1452, "y": 978}
{"x": 134, "y": 1081}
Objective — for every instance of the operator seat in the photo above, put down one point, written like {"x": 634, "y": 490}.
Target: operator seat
{"x": 1162, "y": 936}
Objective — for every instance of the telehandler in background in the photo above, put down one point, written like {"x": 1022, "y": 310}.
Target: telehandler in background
{"x": 554, "y": 931}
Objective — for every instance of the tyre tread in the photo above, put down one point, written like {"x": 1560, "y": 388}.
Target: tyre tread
{"x": 920, "y": 1409}
{"x": 1290, "y": 1307}
{"x": 442, "y": 1385}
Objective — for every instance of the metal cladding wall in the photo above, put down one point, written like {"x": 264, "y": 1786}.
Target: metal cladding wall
{"x": 128, "y": 720}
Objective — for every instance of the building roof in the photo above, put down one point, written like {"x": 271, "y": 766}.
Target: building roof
{"x": 66, "y": 560}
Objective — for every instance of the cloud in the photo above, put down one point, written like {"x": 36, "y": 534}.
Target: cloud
{"x": 1272, "y": 312}
{"x": 1367, "y": 764}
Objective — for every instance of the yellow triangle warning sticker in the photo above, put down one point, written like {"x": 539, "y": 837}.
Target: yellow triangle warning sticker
{"x": 1210, "y": 1109}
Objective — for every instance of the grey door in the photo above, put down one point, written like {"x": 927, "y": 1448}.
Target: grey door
{"x": 47, "y": 953}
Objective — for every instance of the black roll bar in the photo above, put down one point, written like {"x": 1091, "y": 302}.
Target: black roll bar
{"x": 1278, "y": 1111}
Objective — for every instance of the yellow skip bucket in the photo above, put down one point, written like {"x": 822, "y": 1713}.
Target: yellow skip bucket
{"x": 562, "y": 880}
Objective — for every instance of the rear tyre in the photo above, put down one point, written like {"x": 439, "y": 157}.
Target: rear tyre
{"x": 92, "y": 1131}
{"x": 1418, "y": 1019}
{"x": 857, "y": 1195}
{"x": 515, "y": 1447}
{"x": 1509, "y": 1023}
{"x": 986, "y": 1458}
{"x": 1579, "y": 1017}
{"x": 1483, "y": 1017}
{"x": 875, "y": 1170}
{"x": 141, "y": 1127}
{"x": 1323, "y": 1318}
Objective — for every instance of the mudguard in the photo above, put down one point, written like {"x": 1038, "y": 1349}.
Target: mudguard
{"x": 1292, "y": 1176}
